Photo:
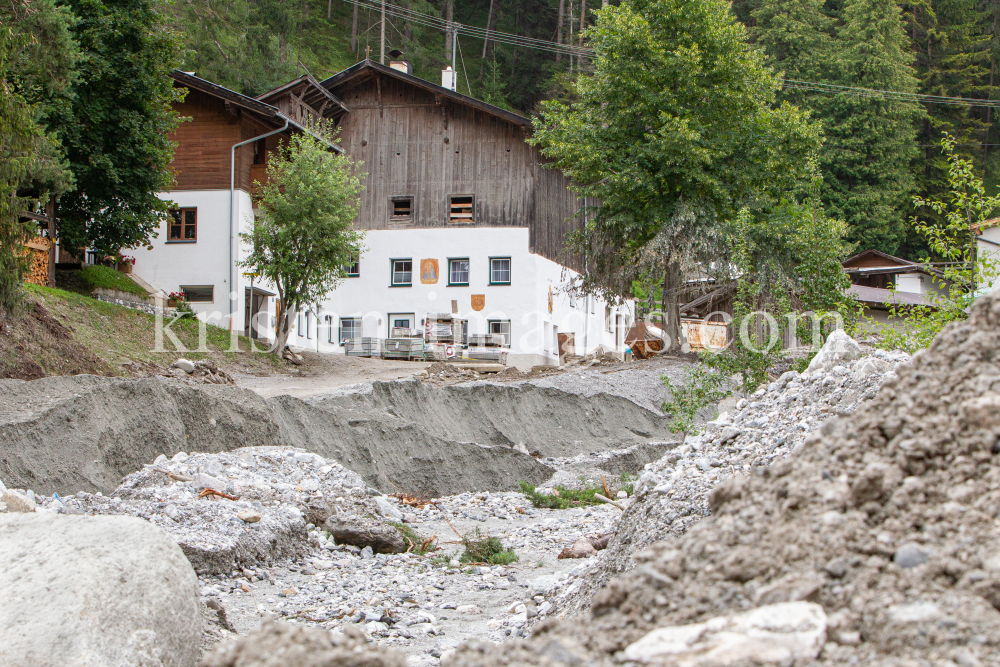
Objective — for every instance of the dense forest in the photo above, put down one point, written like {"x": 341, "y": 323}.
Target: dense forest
{"x": 878, "y": 152}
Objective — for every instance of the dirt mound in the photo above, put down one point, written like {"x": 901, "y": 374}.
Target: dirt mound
{"x": 547, "y": 420}
{"x": 33, "y": 344}
{"x": 85, "y": 433}
{"x": 880, "y": 528}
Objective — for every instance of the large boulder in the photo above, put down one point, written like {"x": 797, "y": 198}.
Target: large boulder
{"x": 362, "y": 531}
{"x": 838, "y": 350}
{"x": 84, "y": 591}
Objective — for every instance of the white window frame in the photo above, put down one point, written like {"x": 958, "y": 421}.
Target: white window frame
{"x": 507, "y": 336}
{"x": 393, "y": 272}
{"x": 451, "y": 271}
{"x": 356, "y": 325}
{"x": 493, "y": 271}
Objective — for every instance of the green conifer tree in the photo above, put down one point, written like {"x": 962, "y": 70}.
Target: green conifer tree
{"x": 870, "y": 139}
{"x": 797, "y": 37}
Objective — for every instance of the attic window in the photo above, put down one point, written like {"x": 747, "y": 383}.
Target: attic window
{"x": 402, "y": 209}
{"x": 460, "y": 208}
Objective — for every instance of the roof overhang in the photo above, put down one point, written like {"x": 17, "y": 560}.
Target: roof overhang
{"x": 311, "y": 92}
{"x": 215, "y": 90}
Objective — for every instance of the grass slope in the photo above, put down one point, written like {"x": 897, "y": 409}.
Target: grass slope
{"x": 64, "y": 333}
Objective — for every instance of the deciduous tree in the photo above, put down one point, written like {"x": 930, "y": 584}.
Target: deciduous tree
{"x": 304, "y": 236}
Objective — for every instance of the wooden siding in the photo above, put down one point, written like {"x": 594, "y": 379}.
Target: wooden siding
{"x": 201, "y": 159}
{"x": 415, "y": 143}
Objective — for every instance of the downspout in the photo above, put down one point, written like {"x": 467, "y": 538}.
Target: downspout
{"x": 232, "y": 193}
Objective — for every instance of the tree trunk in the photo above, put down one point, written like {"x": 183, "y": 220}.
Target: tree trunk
{"x": 491, "y": 24}
{"x": 354, "y": 31}
{"x": 674, "y": 341}
{"x": 583, "y": 16}
{"x": 562, "y": 12}
{"x": 570, "y": 40}
{"x": 449, "y": 16}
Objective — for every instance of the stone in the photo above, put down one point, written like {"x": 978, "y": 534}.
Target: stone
{"x": 778, "y": 634}
{"x": 367, "y": 553}
{"x": 838, "y": 349}
{"x": 910, "y": 555}
{"x": 2, "y": 487}
{"x": 185, "y": 365}
{"x": 249, "y": 516}
{"x": 205, "y": 481}
{"x": 582, "y": 548}
{"x": 78, "y": 591}
{"x": 468, "y": 609}
{"x": 387, "y": 509}
{"x": 17, "y": 502}
{"x": 363, "y": 532}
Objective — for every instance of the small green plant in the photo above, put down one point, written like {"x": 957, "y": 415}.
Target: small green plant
{"x": 415, "y": 544}
{"x": 565, "y": 499}
{"x": 626, "y": 482}
{"x": 481, "y": 548}
{"x": 965, "y": 273}
{"x": 702, "y": 387}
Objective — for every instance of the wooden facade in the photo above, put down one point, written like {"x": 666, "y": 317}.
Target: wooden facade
{"x": 421, "y": 141}
{"x": 218, "y": 118}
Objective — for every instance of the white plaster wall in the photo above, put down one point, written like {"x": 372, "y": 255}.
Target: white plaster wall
{"x": 989, "y": 250}
{"x": 524, "y": 302}
{"x": 167, "y": 265}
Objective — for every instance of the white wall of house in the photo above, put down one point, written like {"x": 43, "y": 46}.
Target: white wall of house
{"x": 989, "y": 247}
{"x": 171, "y": 265}
{"x": 524, "y": 302}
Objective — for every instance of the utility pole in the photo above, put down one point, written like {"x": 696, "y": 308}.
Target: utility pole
{"x": 454, "y": 51}
{"x": 381, "y": 59}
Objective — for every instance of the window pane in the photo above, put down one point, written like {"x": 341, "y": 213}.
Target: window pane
{"x": 175, "y": 233}
{"x": 402, "y": 272}
{"x": 501, "y": 327}
{"x": 459, "y": 271}
{"x": 190, "y": 217}
{"x": 189, "y": 232}
{"x": 500, "y": 271}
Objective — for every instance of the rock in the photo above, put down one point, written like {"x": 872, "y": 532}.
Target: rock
{"x": 17, "y": 502}
{"x": 910, "y": 555}
{"x": 299, "y": 646}
{"x": 249, "y": 516}
{"x": 84, "y": 590}
{"x": 364, "y": 532}
{"x": 580, "y": 549}
{"x": 185, "y": 365}
{"x": 600, "y": 542}
{"x": 367, "y": 553}
{"x": 468, "y": 609}
{"x": 838, "y": 349}
{"x": 779, "y": 634}
{"x": 2, "y": 487}
{"x": 387, "y": 509}
{"x": 204, "y": 481}
{"x": 622, "y": 495}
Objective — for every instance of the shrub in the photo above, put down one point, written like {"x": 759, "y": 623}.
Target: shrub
{"x": 486, "y": 549}
{"x": 415, "y": 544}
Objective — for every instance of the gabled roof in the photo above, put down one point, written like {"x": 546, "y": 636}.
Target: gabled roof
{"x": 367, "y": 68}
{"x": 215, "y": 90}
{"x": 890, "y": 260}
{"x": 311, "y": 92}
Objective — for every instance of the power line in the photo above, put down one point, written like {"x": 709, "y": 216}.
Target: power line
{"x": 437, "y": 23}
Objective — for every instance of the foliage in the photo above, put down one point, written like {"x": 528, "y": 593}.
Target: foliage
{"x": 481, "y": 548}
{"x": 116, "y": 127}
{"x": 674, "y": 133}
{"x": 702, "y": 386}
{"x": 789, "y": 254}
{"x": 564, "y": 498}
{"x": 965, "y": 273}
{"x": 105, "y": 277}
{"x": 867, "y": 177}
{"x": 415, "y": 544}
{"x": 305, "y": 235}
{"x": 35, "y": 58}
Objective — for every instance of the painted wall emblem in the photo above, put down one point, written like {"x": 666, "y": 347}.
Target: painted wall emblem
{"x": 429, "y": 271}
{"x": 478, "y": 302}
{"x": 550, "y": 298}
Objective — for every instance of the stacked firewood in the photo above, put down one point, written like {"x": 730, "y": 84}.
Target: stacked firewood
{"x": 38, "y": 253}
